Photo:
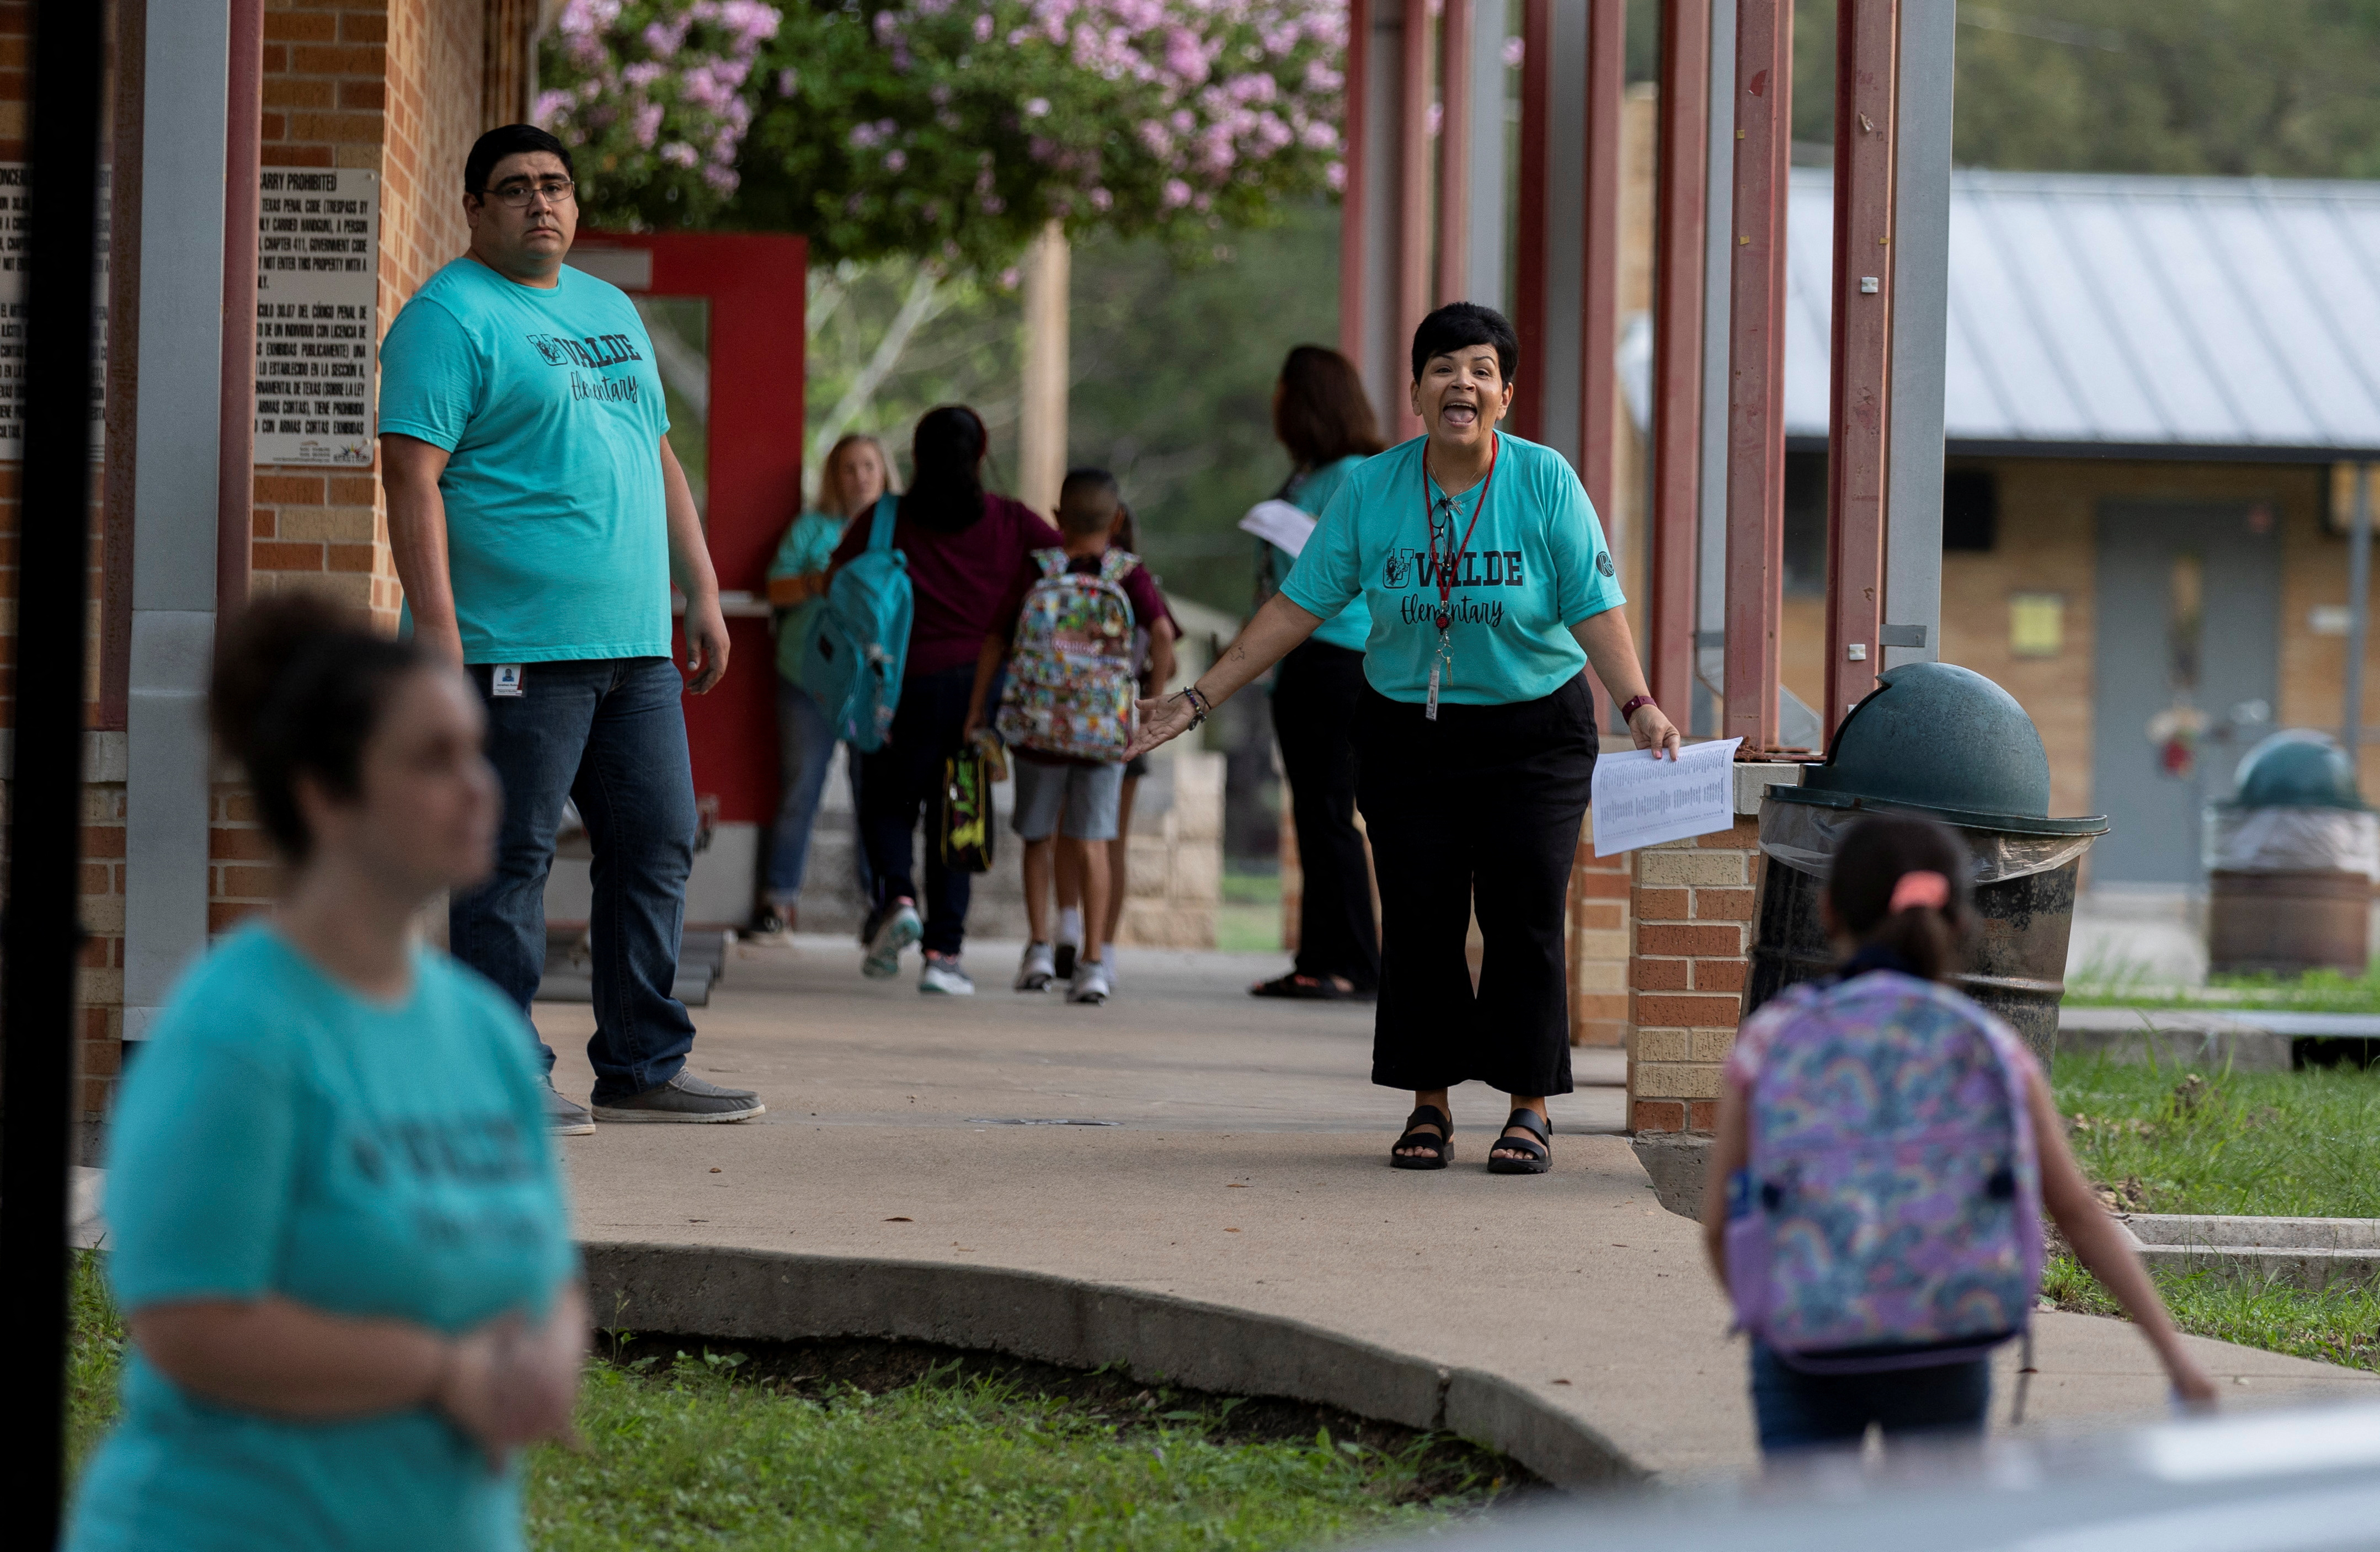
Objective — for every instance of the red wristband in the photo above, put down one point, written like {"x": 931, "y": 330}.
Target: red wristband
{"x": 1628, "y": 712}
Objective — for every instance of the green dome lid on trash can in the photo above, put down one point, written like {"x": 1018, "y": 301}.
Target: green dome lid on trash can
{"x": 2297, "y": 769}
{"x": 1942, "y": 741}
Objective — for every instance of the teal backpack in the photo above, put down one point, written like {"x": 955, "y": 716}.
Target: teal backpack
{"x": 859, "y": 642}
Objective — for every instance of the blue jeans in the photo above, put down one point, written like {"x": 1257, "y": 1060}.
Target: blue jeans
{"x": 1797, "y": 1410}
{"x": 805, "y": 750}
{"x": 904, "y": 778}
{"x": 610, "y": 734}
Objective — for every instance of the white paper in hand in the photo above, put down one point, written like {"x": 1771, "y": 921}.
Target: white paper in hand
{"x": 1277, "y": 522}
{"x": 1640, "y": 799}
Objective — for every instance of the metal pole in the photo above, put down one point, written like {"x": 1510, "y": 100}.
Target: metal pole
{"x": 243, "y": 141}
{"x": 1598, "y": 322}
{"x": 1412, "y": 205}
{"x": 1490, "y": 90}
{"x": 40, "y": 939}
{"x": 1354, "y": 156}
{"x": 1756, "y": 400}
{"x": 1719, "y": 268}
{"x": 1677, "y": 349}
{"x": 2359, "y": 616}
{"x": 1529, "y": 225}
{"x": 1860, "y": 390}
{"x": 1921, "y": 321}
{"x": 1454, "y": 152}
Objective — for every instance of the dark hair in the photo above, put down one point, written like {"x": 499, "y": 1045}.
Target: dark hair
{"x": 945, "y": 493}
{"x": 1090, "y": 484}
{"x": 1323, "y": 414}
{"x": 1458, "y": 326}
{"x": 1127, "y": 529}
{"x": 512, "y": 139}
{"x": 1876, "y": 853}
{"x": 299, "y": 686}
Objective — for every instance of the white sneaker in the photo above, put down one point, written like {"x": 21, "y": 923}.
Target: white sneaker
{"x": 1091, "y": 983}
{"x": 1038, "y": 969}
{"x": 943, "y": 977}
{"x": 899, "y": 928}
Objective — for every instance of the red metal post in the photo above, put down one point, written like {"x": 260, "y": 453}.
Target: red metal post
{"x": 1454, "y": 152}
{"x": 1413, "y": 195}
{"x": 235, "y": 418}
{"x": 1756, "y": 367}
{"x": 1598, "y": 309}
{"x": 1678, "y": 349}
{"x": 1354, "y": 161}
{"x": 1529, "y": 219}
{"x": 1866, "y": 52}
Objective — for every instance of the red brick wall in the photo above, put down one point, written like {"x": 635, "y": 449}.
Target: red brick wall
{"x": 1693, "y": 902}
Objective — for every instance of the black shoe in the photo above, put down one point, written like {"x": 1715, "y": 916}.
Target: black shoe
{"x": 1064, "y": 962}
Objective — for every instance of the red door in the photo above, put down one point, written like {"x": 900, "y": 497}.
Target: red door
{"x": 724, "y": 310}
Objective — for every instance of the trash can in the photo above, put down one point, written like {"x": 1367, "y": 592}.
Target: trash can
{"x": 2290, "y": 860}
{"x": 1948, "y": 743}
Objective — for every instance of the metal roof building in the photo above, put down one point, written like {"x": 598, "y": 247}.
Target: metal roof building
{"x": 2105, "y": 314}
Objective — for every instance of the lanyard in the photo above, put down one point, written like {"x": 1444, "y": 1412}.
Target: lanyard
{"x": 1447, "y": 564}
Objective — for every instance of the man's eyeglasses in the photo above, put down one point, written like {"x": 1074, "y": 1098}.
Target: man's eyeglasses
{"x": 517, "y": 196}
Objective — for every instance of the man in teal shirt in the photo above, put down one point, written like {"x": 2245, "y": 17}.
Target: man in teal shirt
{"x": 538, "y": 518}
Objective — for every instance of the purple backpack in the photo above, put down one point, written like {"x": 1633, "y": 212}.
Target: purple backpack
{"x": 1891, "y": 1195}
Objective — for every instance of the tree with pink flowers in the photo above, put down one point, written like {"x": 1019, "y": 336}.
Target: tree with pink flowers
{"x": 949, "y": 130}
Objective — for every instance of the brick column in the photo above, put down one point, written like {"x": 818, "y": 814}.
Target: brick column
{"x": 1599, "y": 945}
{"x": 1693, "y": 906}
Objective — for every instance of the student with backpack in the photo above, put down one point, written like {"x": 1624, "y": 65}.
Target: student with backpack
{"x": 856, "y": 477}
{"x": 1885, "y": 1151}
{"x": 912, "y": 590}
{"x": 1073, "y": 664}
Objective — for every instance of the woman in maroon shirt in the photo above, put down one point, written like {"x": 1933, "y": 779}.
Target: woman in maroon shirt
{"x": 970, "y": 556}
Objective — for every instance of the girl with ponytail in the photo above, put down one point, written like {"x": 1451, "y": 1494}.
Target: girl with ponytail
{"x": 1885, "y": 1148}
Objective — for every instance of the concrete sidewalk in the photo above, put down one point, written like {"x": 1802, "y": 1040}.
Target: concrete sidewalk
{"x": 1242, "y": 1169}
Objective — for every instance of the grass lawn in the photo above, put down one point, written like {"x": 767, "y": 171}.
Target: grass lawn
{"x": 721, "y": 1451}
{"x": 2099, "y": 985}
{"x": 2276, "y": 1144}
{"x": 1248, "y": 918}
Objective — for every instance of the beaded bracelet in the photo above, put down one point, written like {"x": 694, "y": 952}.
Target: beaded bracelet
{"x": 1199, "y": 707}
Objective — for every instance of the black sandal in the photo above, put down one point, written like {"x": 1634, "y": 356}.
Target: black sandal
{"x": 1442, "y": 1144}
{"x": 1541, "y": 1156}
{"x": 1304, "y": 988}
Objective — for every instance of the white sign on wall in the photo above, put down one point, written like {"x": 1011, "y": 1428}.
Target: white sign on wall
{"x": 15, "y": 231}
{"x": 317, "y": 279}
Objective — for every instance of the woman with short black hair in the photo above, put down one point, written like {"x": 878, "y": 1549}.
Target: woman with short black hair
{"x": 1321, "y": 415}
{"x": 1490, "y": 588}
{"x": 336, "y": 1229}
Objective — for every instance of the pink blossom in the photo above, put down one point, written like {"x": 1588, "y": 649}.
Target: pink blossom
{"x": 788, "y": 80}
{"x": 1515, "y": 50}
{"x": 1102, "y": 200}
{"x": 896, "y": 161}
{"x": 1177, "y": 193}
{"x": 983, "y": 28}
{"x": 680, "y": 154}
{"x": 1037, "y": 107}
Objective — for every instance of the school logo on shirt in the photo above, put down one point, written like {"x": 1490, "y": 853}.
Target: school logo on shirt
{"x": 594, "y": 351}
{"x": 1603, "y": 562}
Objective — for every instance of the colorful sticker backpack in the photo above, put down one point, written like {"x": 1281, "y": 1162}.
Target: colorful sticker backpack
{"x": 1891, "y": 1195}
{"x": 1071, "y": 677}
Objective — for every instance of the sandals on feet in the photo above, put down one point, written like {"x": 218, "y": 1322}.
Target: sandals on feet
{"x": 1441, "y": 1143}
{"x": 1540, "y": 1155}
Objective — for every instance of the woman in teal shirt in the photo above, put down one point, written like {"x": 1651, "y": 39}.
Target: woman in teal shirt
{"x": 338, "y": 1232}
{"x": 1320, "y": 415}
{"x": 855, "y": 476}
{"x": 1490, "y": 588}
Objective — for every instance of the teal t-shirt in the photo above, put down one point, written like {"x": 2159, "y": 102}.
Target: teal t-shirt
{"x": 549, "y": 408}
{"x": 805, "y": 548}
{"x": 1537, "y": 564}
{"x": 280, "y": 1134}
{"x": 1350, "y": 625}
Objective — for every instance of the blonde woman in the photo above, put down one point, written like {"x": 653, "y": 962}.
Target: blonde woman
{"x": 857, "y": 475}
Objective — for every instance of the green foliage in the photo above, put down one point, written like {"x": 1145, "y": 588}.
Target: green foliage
{"x": 2281, "y": 1145}
{"x": 695, "y": 1455}
{"x": 2316, "y": 991}
{"x": 95, "y": 1360}
{"x": 2227, "y": 88}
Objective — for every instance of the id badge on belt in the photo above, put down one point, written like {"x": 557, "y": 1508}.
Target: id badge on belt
{"x": 505, "y": 679}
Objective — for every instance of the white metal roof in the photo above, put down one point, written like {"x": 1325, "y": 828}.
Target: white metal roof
{"x": 2108, "y": 312}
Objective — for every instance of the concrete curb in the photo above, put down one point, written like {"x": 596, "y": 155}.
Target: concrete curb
{"x": 783, "y": 1296}
{"x": 2174, "y": 1038}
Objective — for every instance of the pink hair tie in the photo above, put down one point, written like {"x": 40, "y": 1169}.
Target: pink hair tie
{"x": 1921, "y": 890}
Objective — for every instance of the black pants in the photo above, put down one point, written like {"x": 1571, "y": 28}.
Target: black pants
{"x": 1481, "y": 804}
{"x": 904, "y": 777}
{"x": 1314, "y": 702}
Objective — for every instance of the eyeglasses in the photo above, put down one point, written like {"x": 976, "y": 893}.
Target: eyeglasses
{"x": 517, "y": 196}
